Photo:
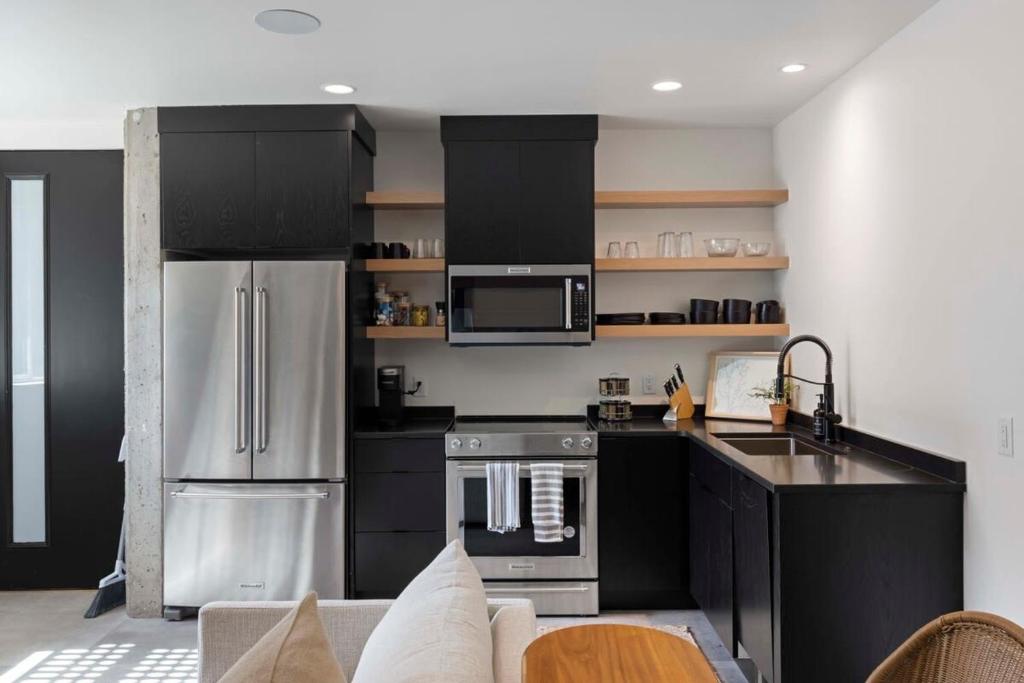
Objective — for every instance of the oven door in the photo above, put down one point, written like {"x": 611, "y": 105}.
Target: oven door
{"x": 519, "y": 304}
{"x": 515, "y": 555}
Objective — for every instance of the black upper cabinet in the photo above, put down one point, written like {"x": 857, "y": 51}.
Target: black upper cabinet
{"x": 519, "y": 189}
{"x": 642, "y": 523}
{"x": 302, "y": 190}
{"x": 482, "y": 202}
{"x": 207, "y": 194}
{"x": 263, "y": 178}
{"x": 556, "y": 221}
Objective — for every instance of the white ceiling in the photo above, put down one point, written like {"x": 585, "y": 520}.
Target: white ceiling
{"x": 69, "y": 62}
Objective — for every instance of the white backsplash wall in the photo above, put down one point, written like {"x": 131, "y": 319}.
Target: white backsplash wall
{"x": 539, "y": 380}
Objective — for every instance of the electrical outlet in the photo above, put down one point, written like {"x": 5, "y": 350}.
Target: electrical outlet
{"x": 422, "y": 391}
{"x": 649, "y": 384}
{"x": 1006, "y": 436}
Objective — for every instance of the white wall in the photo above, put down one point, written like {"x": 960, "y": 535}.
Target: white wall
{"x": 563, "y": 380}
{"x": 905, "y": 233}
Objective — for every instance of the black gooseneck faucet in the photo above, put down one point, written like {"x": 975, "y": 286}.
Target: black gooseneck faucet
{"x": 827, "y": 430}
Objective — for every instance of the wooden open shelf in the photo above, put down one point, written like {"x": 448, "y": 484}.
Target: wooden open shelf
{"x": 404, "y": 332}
{"x": 398, "y": 199}
{"x": 608, "y": 199}
{"x": 704, "y": 263}
{"x": 639, "y": 331}
{"x": 405, "y": 265}
{"x": 684, "y": 199}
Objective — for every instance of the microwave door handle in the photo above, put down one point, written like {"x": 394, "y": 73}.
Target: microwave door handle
{"x": 568, "y": 304}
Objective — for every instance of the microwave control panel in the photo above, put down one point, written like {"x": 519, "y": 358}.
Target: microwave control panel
{"x": 580, "y": 303}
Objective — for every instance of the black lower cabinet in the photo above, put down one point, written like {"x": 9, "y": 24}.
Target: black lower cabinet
{"x": 642, "y": 523}
{"x": 386, "y": 562}
{"x": 752, "y": 571}
{"x": 711, "y": 560}
{"x": 397, "y": 490}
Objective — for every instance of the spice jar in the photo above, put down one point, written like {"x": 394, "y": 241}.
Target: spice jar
{"x": 385, "y": 310}
{"x": 420, "y": 316}
{"x": 403, "y": 308}
{"x": 441, "y": 319}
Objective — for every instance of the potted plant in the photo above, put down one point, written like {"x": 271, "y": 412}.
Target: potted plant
{"x": 778, "y": 405}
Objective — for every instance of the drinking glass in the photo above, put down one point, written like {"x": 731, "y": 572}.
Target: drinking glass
{"x": 437, "y": 250}
{"x": 421, "y": 249}
{"x": 667, "y": 245}
{"x": 685, "y": 240}
{"x": 615, "y": 250}
{"x": 632, "y": 250}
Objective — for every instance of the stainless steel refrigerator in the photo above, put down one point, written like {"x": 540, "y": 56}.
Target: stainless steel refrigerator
{"x": 254, "y": 430}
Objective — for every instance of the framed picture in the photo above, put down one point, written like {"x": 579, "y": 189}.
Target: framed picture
{"x": 732, "y": 375}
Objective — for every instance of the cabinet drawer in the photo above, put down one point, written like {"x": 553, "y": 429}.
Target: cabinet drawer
{"x": 399, "y": 455}
{"x": 385, "y": 563}
{"x": 412, "y": 501}
{"x": 711, "y": 473}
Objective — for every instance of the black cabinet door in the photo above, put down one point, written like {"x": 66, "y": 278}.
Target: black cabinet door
{"x": 206, "y": 185}
{"x": 385, "y": 563}
{"x": 377, "y": 496}
{"x": 302, "y": 183}
{"x": 482, "y": 202}
{"x": 699, "y": 543}
{"x": 556, "y": 220}
{"x": 711, "y": 558}
{"x": 642, "y": 523}
{"x": 751, "y": 543}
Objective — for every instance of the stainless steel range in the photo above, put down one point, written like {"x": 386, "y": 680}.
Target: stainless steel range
{"x": 560, "y": 578}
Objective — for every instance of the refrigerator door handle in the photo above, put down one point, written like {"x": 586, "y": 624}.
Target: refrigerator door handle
{"x": 319, "y": 495}
{"x": 261, "y": 369}
{"x": 241, "y": 442}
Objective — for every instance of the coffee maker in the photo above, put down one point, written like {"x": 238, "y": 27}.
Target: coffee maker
{"x": 391, "y": 392}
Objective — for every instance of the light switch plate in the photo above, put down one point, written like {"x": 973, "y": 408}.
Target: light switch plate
{"x": 649, "y": 384}
{"x": 1006, "y": 436}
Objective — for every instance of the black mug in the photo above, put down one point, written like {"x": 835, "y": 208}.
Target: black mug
{"x": 397, "y": 250}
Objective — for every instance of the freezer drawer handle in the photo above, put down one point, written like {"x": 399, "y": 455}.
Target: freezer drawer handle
{"x": 538, "y": 589}
{"x": 241, "y": 445}
{"x": 320, "y": 495}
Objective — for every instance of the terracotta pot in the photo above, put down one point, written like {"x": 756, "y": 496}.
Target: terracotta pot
{"x": 779, "y": 413}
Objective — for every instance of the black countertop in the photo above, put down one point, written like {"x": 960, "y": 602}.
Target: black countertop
{"x": 848, "y": 467}
{"x": 419, "y": 423}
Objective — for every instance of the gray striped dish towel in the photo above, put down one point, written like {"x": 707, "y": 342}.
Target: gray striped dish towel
{"x": 502, "y": 496}
{"x": 547, "y": 502}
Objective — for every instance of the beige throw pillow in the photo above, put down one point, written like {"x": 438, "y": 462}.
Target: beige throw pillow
{"x": 437, "y": 631}
{"x": 294, "y": 651}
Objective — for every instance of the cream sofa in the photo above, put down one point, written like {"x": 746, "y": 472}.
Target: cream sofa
{"x": 228, "y": 629}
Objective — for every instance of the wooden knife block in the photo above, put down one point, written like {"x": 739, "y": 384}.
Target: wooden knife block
{"x": 682, "y": 403}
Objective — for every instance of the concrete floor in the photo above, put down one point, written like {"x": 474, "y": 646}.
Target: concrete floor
{"x": 43, "y": 637}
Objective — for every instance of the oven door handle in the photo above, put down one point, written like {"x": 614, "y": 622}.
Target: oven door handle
{"x": 538, "y": 589}
{"x": 481, "y": 468}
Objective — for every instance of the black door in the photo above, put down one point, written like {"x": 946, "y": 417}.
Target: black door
{"x": 302, "y": 190}
{"x": 482, "y": 202}
{"x": 207, "y": 191}
{"x": 61, "y": 367}
{"x": 556, "y": 220}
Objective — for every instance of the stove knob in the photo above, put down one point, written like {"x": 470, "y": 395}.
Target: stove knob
{"x": 568, "y": 443}
{"x": 587, "y": 442}
{"x": 474, "y": 443}
{"x": 456, "y": 444}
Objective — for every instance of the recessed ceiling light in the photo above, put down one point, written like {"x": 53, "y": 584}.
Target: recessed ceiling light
{"x": 667, "y": 86}
{"x": 793, "y": 68}
{"x": 289, "y": 21}
{"x": 339, "y": 89}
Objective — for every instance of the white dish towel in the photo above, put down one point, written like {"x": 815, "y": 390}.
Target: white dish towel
{"x": 502, "y": 496}
{"x": 547, "y": 501}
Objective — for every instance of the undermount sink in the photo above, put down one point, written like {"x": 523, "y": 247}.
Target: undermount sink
{"x": 773, "y": 445}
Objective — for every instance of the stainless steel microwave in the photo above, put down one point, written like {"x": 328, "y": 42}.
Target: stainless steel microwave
{"x": 508, "y": 305}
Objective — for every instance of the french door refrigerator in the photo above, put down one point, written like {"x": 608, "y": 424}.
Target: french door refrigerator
{"x": 254, "y": 430}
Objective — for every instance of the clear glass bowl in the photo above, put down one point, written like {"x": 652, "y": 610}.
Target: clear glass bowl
{"x": 756, "y": 248}
{"x": 722, "y": 246}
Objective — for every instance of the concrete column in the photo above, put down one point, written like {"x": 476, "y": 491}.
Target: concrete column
{"x": 143, "y": 363}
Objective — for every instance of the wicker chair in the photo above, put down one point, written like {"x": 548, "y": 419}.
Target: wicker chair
{"x": 962, "y": 647}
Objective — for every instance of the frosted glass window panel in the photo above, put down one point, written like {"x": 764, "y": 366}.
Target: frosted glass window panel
{"x": 28, "y": 358}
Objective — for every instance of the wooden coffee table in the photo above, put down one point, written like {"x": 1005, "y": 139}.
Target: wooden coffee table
{"x": 616, "y": 653}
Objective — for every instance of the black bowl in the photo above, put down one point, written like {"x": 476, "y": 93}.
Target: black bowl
{"x": 736, "y": 311}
